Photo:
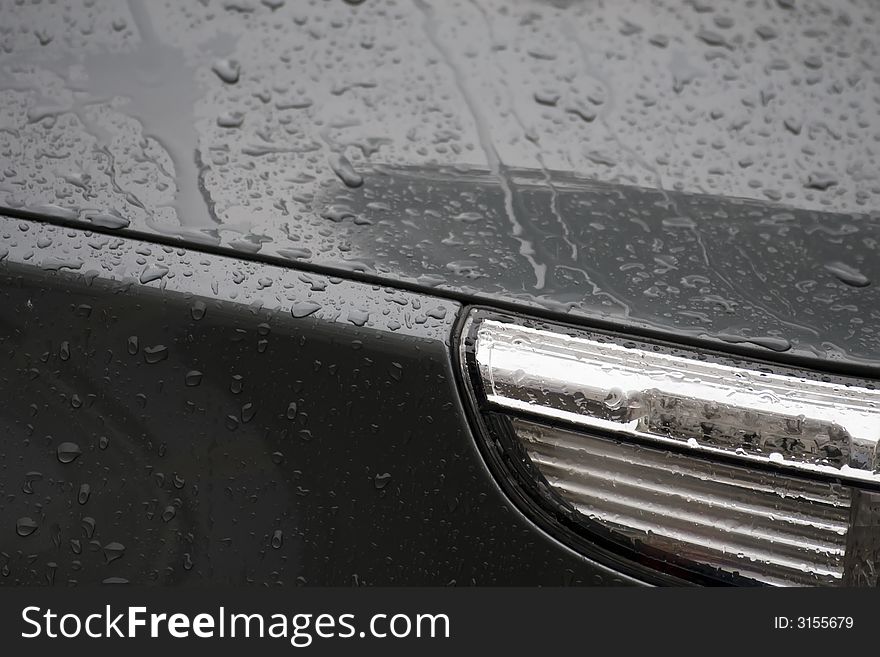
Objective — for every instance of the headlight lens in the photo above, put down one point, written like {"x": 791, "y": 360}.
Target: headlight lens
{"x": 725, "y": 470}
{"x": 767, "y": 528}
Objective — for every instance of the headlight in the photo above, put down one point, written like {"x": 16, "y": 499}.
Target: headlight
{"x": 703, "y": 467}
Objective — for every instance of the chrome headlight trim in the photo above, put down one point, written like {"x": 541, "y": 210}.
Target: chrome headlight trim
{"x": 759, "y": 417}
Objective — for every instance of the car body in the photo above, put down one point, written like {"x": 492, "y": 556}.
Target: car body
{"x": 239, "y": 241}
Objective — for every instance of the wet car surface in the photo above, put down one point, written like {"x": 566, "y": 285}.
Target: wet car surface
{"x": 273, "y": 117}
{"x": 704, "y": 174}
{"x": 203, "y": 420}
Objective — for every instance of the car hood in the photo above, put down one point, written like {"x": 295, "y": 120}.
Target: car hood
{"x": 676, "y": 173}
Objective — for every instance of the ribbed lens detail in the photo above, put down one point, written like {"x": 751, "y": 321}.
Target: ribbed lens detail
{"x": 762, "y": 526}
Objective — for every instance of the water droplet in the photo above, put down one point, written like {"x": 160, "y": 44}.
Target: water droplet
{"x": 106, "y": 220}
{"x": 358, "y": 317}
{"x": 820, "y": 181}
{"x": 155, "y": 354}
{"x": 230, "y": 120}
{"x": 614, "y": 399}
{"x": 198, "y": 310}
{"x": 193, "y": 378}
{"x": 584, "y": 113}
{"x": 813, "y": 61}
{"x": 338, "y": 212}
{"x": 304, "y": 308}
{"x": 227, "y": 70}
{"x": 343, "y": 168}
{"x": 84, "y": 492}
{"x": 659, "y": 40}
{"x": 768, "y": 342}
{"x": 793, "y": 126}
{"x": 169, "y": 513}
{"x": 381, "y": 480}
{"x": 291, "y": 410}
{"x": 765, "y": 32}
{"x": 847, "y": 274}
{"x": 29, "y": 479}
{"x": 68, "y": 452}
{"x": 88, "y": 526}
{"x": 153, "y": 273}
{"x": 43, "y": 37}
{"x": 64, "y": 352}
{"x": 113, "y": 551}
{"x": 133, "y": 345}
{"x": 711, "y": 38}
{"x": 25, "y": 526}
{"x": 277, "y": 539}
{"x": 548, "y": 98}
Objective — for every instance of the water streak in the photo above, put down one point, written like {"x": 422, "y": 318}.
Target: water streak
{"x": 484, "y": 134}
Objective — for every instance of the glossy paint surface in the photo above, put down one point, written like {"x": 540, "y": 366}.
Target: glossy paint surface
{"x": 235, "y": 237}
{"x": 207, "y": 421}
{"x": 720, "y": 169}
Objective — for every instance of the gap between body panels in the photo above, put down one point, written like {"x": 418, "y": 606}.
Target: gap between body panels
{"x": 614, "y": 326}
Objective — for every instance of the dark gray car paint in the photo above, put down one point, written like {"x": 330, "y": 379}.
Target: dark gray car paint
{"x": 259, "y": 150}
{"x": 176, "y": 417}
